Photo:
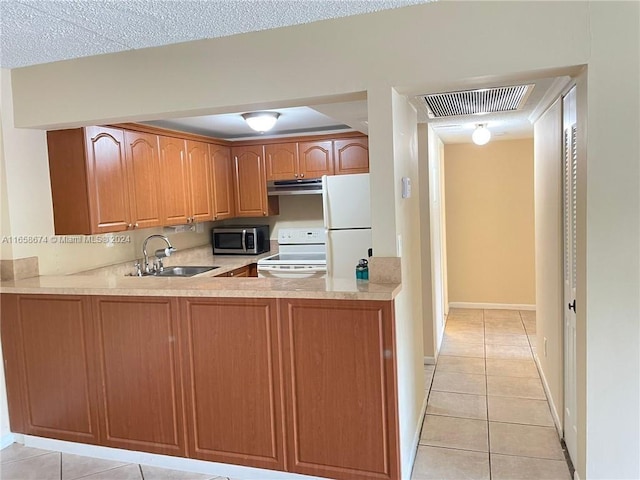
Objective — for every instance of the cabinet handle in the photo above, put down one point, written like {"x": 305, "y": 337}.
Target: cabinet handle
{"x": 231, "y": 274}
{"x": 136, "y": 225}
{"x": 129, "y": 226}
{"x": 264, "y": 214}
{"x": 295, "y": 175}
{"x": 302, "y": 175}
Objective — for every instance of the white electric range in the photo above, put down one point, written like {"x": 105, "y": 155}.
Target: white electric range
{"x": 302, "y": 254}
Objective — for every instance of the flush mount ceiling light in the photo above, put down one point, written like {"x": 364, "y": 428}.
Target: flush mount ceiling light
{"x": 481, "y": 135}
{"x": 261, "y": 121}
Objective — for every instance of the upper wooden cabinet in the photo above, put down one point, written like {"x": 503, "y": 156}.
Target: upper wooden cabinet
{"x": 351, "y": 155}
{"x": 281, "y": 160}
{"x": 222, "y": 170}
{"x": 48, "y": 345}
{"x": 200, "y": 182}
{"x": 174, "y": 181}
{"x": 250, "y": 183}
{"x": 143, "y": 164}
{"x": 89, "y": 180}
{"x": 111, "y": 179}
{"x": 316, "y": 159}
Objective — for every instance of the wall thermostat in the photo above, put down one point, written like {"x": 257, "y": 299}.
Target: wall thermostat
{"x": 406, "y": 187}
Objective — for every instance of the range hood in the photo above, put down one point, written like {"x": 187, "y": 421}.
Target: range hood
{"x": 295, "y": 187}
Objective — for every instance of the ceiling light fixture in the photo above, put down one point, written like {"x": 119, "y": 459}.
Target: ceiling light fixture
{"x": 261, "y": 121}
{"x": 481, "y": 135}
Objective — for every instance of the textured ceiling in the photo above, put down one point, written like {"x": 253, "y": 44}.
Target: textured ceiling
{"x": 41, "y": 31}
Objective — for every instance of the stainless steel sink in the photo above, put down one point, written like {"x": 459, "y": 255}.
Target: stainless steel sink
{"x": 188, "y": 271}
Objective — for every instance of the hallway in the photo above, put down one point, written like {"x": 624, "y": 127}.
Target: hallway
{"x": 487, "y": 415}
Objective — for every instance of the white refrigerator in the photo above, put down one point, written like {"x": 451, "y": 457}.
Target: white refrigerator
{"x": 347, "y": 220}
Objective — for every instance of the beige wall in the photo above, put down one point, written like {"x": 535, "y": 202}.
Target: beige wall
{"x": 408, "y": 304}
{"x": 437, "y": 227}
{"x": 296, "y": 211}
{"x": 490, "y": 222}
{"x": 549, "y": 252}
{"x": 428, "y": 333}
{"x": 608, "y": 242}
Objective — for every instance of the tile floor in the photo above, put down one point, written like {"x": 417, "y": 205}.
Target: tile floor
{"x": 487, "y": 415}
{"x": 23, "y": 463}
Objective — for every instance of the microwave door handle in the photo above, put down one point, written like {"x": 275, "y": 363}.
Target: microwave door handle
{"x": 244, "y": 240}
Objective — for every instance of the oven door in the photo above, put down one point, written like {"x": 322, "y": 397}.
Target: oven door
{"x": 292, "y": 271}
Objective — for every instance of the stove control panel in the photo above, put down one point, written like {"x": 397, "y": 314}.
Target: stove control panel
{"x": 301, "y": 236}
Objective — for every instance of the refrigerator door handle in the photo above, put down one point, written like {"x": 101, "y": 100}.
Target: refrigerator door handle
{"x": 325, "y": 204}
{"x": 329, "y": 252}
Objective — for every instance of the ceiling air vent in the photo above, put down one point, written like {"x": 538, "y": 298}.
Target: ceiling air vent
{"x": 471, "y": 102}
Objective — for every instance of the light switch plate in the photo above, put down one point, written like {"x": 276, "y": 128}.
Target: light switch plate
{"x": 406, "y": 187}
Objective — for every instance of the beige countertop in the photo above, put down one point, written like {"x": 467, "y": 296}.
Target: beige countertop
{"x": 113, "y": 280}
{"x": 203, "y": 286}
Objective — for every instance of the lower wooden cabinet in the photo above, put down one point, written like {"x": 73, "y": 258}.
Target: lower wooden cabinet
{"x": 232, "y": 380}
{"x": 139, "y": 366}
{"x": 305, "y": 386}
{"x": 340, "y": 384}
{"x": 246, "y": 271}
{"x": 48, "y": 345}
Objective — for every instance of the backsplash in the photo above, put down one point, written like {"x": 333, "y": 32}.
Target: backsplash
{"x": 296, "y": 211}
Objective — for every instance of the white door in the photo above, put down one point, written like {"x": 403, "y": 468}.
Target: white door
{"x": 570, "y": 184}
{"x": 346, "y": 201}
{"x": 344, "y": 249}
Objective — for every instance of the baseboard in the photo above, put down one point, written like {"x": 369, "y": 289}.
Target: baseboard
{"x": 493, "y": 306}
{"x": 7, "y": 440}
{"x": 547, "y": 391}
{"x": 163, "y": 461}
{"x": 429, "y": 360}
{"x": 407, "y": 468}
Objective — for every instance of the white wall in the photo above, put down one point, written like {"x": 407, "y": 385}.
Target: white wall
{"x": 610, "y": 253}
{"x": 409, "y": 350}
{"x": 438, "y": 242}
{"x": 549, "y": 251}
{"x": 428, "y": 330}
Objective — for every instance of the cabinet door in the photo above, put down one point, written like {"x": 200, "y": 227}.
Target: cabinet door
{"x": 281, "y": 161}
{"x": 232, "y": 381}
{"x": 107, "y": 179}
{"x": 351, "y": 156}
{"x": 339, "y": 372}
{"x": 200, "y": 185}
{"x": 316, "y": 159}
{"x": 51, "y": 376}
{"x": 174, "y": 181}
{"x": 250, "y": 181}
{"x": 138, "y": 351}
{"x": 143, "y": 165}
{"x": 222, "y": 181}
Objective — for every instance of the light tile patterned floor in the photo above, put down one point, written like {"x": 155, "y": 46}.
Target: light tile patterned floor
{"x": 487, "y": 415}
{"x": 24, "y": 463}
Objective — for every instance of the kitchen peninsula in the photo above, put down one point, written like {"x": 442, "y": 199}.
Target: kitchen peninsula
{"x": 290, "y": 375}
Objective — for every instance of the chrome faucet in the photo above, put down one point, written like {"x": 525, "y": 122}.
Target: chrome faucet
{"x": 160, "y": 254}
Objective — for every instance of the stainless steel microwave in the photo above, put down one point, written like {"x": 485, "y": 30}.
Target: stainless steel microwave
{"x": 240, "y": 239}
